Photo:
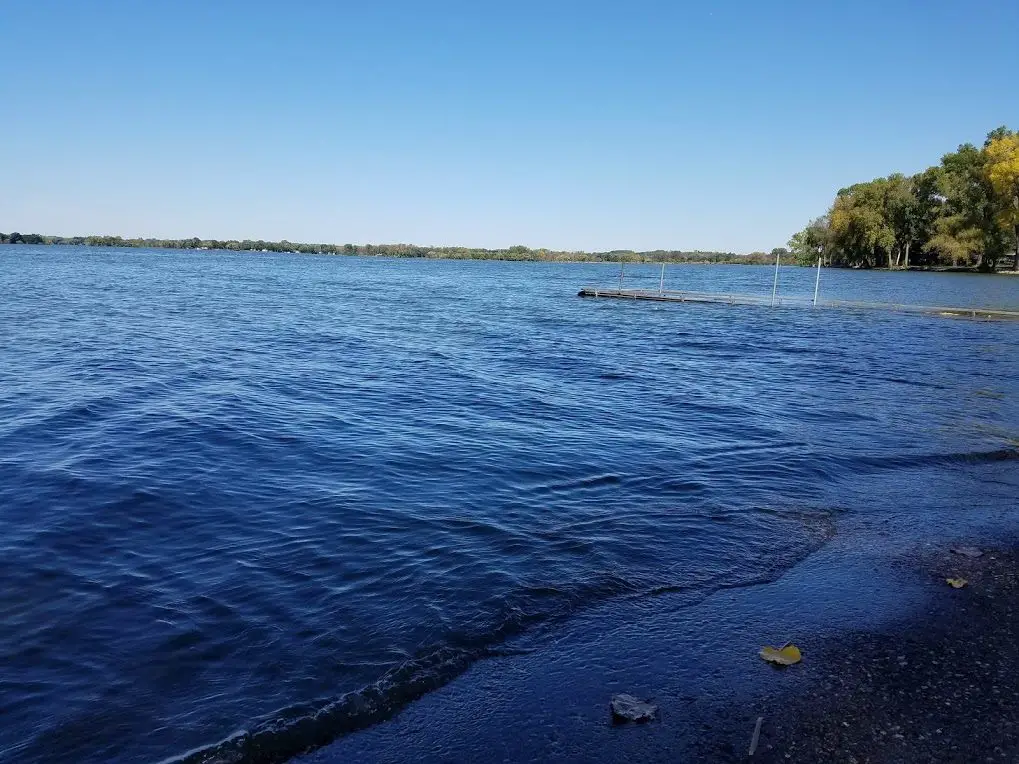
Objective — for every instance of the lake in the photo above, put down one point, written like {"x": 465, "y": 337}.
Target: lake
{"x": 285, "y": 495}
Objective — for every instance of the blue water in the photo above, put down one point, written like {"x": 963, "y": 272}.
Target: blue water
{"x": 253, "y": 502}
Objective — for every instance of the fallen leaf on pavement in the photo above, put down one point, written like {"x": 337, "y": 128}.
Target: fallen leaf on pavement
{"x": 782, "y": 656}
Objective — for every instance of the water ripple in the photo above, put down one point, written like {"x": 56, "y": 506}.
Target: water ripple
{"x": 253, "y": 503}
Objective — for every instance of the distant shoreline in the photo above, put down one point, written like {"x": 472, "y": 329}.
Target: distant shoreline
{"x": 512, "y": 254}
{"x": 518, "y": 252}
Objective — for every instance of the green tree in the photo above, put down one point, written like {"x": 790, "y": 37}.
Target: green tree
{"x": 911, "y": 207}
{"x": 968, "y": 230}
{"x": 862, "y": 235}
{"x": 812, "y": 242}
{"x": 901, "y": 213}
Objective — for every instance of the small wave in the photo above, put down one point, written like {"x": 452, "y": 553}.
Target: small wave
{"x": 580, "y": 484}
{"x": 911, "y": 461}
{"x": 302, "y": 728}
{"x": 837, "y": 468}
{"x": 914, "y": 383}
{"x": 305, "y": 727}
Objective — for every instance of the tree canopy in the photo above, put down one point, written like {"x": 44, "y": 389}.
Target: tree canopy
{"x": 962, "y": 212}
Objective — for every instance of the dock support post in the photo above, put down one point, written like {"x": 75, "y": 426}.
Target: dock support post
{"x": 661, "y": 282}
{"x": 620, "y": 275}
{"x": 817, "y": 281}
{"x": 774, "y": 287}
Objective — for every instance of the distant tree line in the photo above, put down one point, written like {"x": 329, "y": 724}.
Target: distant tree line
{"x": 517, "y": 252}
{"x": 962, "y": 213}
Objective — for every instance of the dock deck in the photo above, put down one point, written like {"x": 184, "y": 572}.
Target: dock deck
{"x": 671, "y": 295}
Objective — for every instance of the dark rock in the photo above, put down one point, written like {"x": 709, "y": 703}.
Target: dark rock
{"x": 626, "y": 708}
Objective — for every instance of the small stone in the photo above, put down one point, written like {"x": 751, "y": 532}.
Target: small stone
{"x": 967, "y": 551}
{"x": 627, "y": 708}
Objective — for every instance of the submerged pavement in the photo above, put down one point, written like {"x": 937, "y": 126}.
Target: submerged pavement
{"x": 891, "y": 655}
{"x": 943, "y": 687}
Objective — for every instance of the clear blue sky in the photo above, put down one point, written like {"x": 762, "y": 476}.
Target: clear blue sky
{"x": 572, "y": 125}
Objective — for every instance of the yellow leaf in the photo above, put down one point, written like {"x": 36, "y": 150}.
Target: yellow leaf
{"x": 956, "y": 583}
{"x": 1002, "y": 168}
{"x": 783, "y": 656}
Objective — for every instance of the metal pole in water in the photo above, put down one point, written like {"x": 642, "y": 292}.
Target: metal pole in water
{"x": 620, "y": 275}
{"x": 774, "y": 287}
{"x": 817, "y": 281}
{"x": 661, "y": 282}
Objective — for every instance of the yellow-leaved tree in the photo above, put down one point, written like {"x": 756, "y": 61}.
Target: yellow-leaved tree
{"x": 1002, "y": 168}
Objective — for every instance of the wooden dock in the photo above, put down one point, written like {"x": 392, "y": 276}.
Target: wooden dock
{"x": 719, "y": 298}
